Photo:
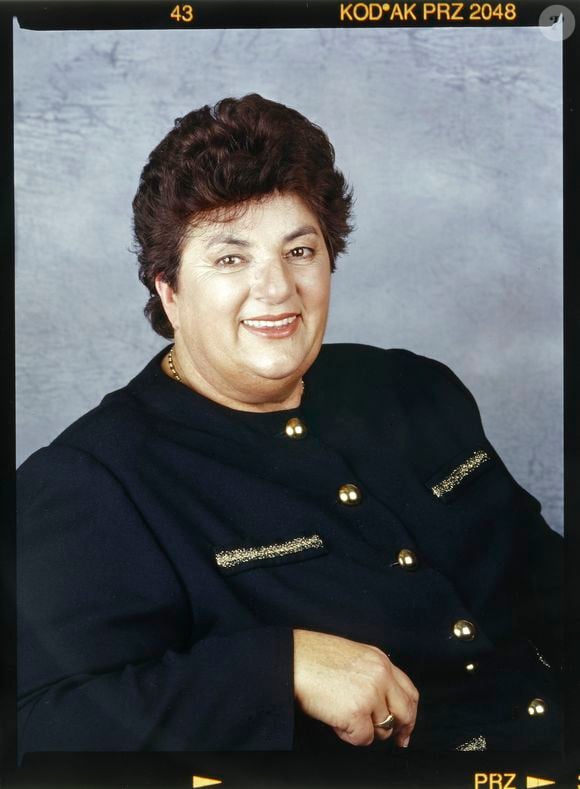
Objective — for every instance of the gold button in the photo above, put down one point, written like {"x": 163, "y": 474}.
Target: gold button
{"x": 407, "y": 559}
{"x": 349, "y": 494}
{"x": 295, "y": 428}
{"x": 464, "y": 630}
{"x": 471, "y": 668}
{"x": 537, "y": 707}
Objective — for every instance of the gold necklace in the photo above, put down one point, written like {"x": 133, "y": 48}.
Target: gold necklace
{"x": 175, "y": 374}
{"x": 172, "y": 365}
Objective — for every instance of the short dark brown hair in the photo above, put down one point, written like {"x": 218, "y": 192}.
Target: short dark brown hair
{"x": 219, "y": 157}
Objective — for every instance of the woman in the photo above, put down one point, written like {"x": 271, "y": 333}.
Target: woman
{"x": 263, "y": 543}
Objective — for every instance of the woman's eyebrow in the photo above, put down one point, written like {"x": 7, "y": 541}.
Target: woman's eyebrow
{"x": 226, "y": 239}
{"x": 304, "y": 230}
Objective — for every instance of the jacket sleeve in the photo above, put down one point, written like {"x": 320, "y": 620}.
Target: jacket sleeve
{"x": 108, "y": 658}
{"x": 540, "y": 603}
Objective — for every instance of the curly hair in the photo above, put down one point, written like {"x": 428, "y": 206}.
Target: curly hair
{"x": 219, "y": 157}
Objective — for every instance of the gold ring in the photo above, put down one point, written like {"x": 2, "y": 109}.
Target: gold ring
{"x": 388, "y": 723}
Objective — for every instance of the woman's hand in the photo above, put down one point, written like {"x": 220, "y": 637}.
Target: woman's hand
{"x": 351, "y": 687}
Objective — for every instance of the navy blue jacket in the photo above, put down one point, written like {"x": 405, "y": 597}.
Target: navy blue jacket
{"x": 168, "y": 546}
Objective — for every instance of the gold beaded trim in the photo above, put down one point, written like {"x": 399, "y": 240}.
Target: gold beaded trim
{"x": 540, "y": 657}
{"x": 238, "y": 556}
{"x": 475, "y": 744}
{"x": 458, "y": 474}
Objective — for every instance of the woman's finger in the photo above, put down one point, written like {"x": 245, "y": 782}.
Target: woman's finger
{"x": 360, "y": 731}
{"x": 405, "y": 683}
{"x": 402, "y": 705}
{"x": 383, "y": 732}
{"x": 401, "y": 699}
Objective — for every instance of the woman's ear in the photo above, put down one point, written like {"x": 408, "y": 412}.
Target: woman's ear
{"x": 167, "y": 295}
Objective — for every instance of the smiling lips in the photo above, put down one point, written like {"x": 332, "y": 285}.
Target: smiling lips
{"x": 274, "y": 326}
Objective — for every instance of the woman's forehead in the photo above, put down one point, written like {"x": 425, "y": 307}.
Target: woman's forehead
{"x": 279, "y": 213}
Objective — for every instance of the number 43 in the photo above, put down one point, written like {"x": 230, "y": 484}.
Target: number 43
{"x": 182, "y": 13}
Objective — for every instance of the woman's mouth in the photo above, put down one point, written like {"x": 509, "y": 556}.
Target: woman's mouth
{"x": 274, "y": 326}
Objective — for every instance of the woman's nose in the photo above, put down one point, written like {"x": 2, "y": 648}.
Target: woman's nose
{"x": 273, "y": 281}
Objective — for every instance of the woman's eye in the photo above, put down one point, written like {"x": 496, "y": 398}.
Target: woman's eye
{"x": 301, "y": 253}
{"x": 229, "y": 262}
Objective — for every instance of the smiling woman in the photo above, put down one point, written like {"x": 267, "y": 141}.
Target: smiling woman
{"x": 249, "y": 308}
{"x": 266, "y": 543}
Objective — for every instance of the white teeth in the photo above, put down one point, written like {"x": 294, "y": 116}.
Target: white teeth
{"x": 270, "y": 324}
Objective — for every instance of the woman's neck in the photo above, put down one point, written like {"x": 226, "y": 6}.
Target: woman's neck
{"x": 264, "y": 396}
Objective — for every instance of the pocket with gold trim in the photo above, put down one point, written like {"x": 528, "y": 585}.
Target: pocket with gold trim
{"x": 450, "y": 481}
{"x": 235, "y": 559}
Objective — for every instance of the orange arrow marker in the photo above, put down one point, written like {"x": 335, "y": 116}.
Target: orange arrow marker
{"x": 199, "y": 780}
{"x": 534, "y": 783}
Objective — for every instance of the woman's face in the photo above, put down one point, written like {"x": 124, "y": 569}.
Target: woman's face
{"x": 251, "y": 303}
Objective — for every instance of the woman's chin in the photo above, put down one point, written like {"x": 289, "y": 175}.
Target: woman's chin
{"x": 277, "y": 371}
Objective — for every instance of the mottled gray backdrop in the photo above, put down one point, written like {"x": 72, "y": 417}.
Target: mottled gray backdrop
{"x": 451, "y": 138}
